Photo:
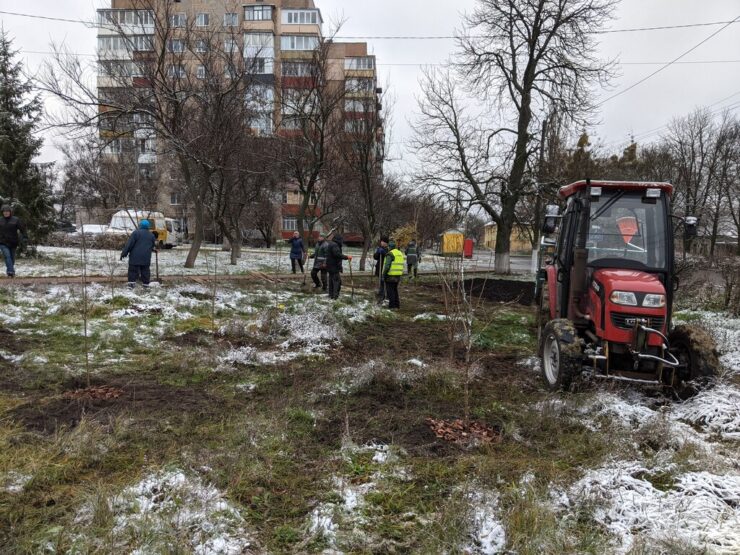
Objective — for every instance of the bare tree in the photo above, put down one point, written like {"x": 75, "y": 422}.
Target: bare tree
{"x": 519, "y": 58}
{"x": 366, "y": 193}
{"x": 311, "y": 129}
{"x": 182, "y": 90}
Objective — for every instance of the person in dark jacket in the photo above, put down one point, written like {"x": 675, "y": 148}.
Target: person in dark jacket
{"x": 380, "y": 253}
{"x": 297, "y": 252}
{"x": 319, "y": 264}
{"x": 139, "y": 249}
{"x": 10, "y": 229}
{"x": 334, "y": 259}
{"x": 413, "y": 258}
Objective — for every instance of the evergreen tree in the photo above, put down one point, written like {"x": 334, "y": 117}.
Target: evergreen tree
{"x": 21, "y": 182}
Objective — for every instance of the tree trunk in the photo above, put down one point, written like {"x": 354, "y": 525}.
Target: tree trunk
{"x": 198, "y": 238}
{"x": 365, "y": 250}
{"x": 503, "y": 247}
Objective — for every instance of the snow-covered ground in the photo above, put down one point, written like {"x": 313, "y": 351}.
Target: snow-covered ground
{"x": 168, "y": 506}
{"x": 684, "y": 490}
{"x": 67, "y": 262}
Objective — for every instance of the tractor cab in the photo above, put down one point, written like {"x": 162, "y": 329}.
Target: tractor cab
{"x": 606, "y": 288}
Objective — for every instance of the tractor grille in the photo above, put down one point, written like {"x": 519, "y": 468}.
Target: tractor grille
{"x": 627, "y": 321}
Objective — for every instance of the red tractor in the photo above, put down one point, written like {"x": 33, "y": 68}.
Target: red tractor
{"x": 606, "y": 289}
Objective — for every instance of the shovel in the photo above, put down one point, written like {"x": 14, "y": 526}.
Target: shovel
{"x": 156, "y": 265}
{"x": 352, "y": 281}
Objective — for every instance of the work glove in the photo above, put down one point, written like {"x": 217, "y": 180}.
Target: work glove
{"x": 122, "y": 257}
{"x": 349, "y": 258}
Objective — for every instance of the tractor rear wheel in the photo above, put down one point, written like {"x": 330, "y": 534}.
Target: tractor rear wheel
{"x": 696, "y": 352}
{"x": 561, "y": 354}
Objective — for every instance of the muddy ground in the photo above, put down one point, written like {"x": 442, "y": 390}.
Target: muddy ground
{"x": 274, "y": 435}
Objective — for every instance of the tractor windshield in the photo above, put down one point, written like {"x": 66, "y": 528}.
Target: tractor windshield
{"x": 625, "y": 226}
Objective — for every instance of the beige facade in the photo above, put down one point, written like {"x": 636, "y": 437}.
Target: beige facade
{"x": 278, "y": 38}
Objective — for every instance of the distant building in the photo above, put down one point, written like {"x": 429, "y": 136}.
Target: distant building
{"x": 278, "y": 38}
{"x": 520, "y": 238}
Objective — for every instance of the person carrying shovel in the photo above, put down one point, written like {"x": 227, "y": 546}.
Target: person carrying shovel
{"x": 139, "y": 249}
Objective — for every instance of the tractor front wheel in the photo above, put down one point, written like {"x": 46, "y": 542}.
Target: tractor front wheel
{"x": 696, "y": 352}
{"x": 561, "y": 354}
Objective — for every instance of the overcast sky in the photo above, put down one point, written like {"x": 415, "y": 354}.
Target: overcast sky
{"x": 674, "y": 92}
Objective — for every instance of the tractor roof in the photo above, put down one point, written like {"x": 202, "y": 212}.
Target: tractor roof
{"x": 573, "y": 188}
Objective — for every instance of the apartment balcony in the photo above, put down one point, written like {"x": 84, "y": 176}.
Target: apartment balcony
{"x": 297, "y": 55}
{"x": 360, "y": 94}
{"x": 111, "y": 82}
{"x": 262, "y": 26}
{"x": 360, "y": 73}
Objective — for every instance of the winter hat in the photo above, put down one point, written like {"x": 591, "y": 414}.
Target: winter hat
{"x": 338, "y": 239}
{"x": 144, "y": 224}
{"x": 391, "y": 244}
{"x": 6, "y": 208}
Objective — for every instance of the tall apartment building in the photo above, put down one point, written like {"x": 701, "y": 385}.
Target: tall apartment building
{"x": 278, "y": 40}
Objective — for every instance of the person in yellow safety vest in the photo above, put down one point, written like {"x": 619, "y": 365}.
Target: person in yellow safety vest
{"x": 395, "y": 264}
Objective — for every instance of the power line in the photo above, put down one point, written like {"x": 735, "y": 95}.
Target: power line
{"x": 646, "y": 134}
{"x": 408, "y": 37}
{"x": 601, "y": 32}
{"x": 418, "y": 64}
{"x": 666, "y": 66}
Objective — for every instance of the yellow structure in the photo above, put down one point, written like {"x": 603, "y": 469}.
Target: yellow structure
{"x": 452, "y": 243}
{"x": 520, "y": 238}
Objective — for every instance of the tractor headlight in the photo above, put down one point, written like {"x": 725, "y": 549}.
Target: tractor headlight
{"x": 624, "y": 298}
{"x": 654, "y": 301}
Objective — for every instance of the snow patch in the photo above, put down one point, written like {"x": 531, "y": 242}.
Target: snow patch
{"x": 488, "y": 534}
{"x": 169, "y": 505}
{"x": 14, "y": 482}
{"x": 701, "y": 510}
{"x": 429, "y": 317}
{"x": 716, "y": 410}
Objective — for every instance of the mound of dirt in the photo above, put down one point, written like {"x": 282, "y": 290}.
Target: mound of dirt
{"x": 502, "y": 290}
{"x": 470, "y": 434}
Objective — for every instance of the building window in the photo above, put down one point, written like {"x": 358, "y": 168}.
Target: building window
{"x": 231, "y": 19}
{"x": 358, "y": 106}
{"x": 301, "y": 17}
{"x": 114, "y": 147}
{"x": 359, "y": 85}
{"x": 259, "y": 40}
{"x": 230, "y": 46}
{"x": 126, "y": 17}
{"x": 258, "y": 13}
{"x": 359, "y": 63}
{"x": 176, "y": 45}
{"x": 356, "y": 126}
{"x": 202, "y": 19}
{"x": 175, "y": 199}
{"x": 230, "y": 72}
{"x": 290, "y": 223}
{"x": 285, "y": 197}
{"x": 178, "y": 20}
{"x": 201, "y": 46}
{"x": 142, "y": 43}
{"x": 260, "y": 66}
{"x": 298, "y": 69}
{"x": 113, "y": 44}
{"x": 177, "y": 72}
{"x": 299, "y": 42}
{"x": 200, "y": 72}
{"x": 263, "y": 124}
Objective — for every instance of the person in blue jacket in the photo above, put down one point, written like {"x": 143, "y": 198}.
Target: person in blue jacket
{"x": 297, "y": 252}
{"x": 139, "y": 249}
